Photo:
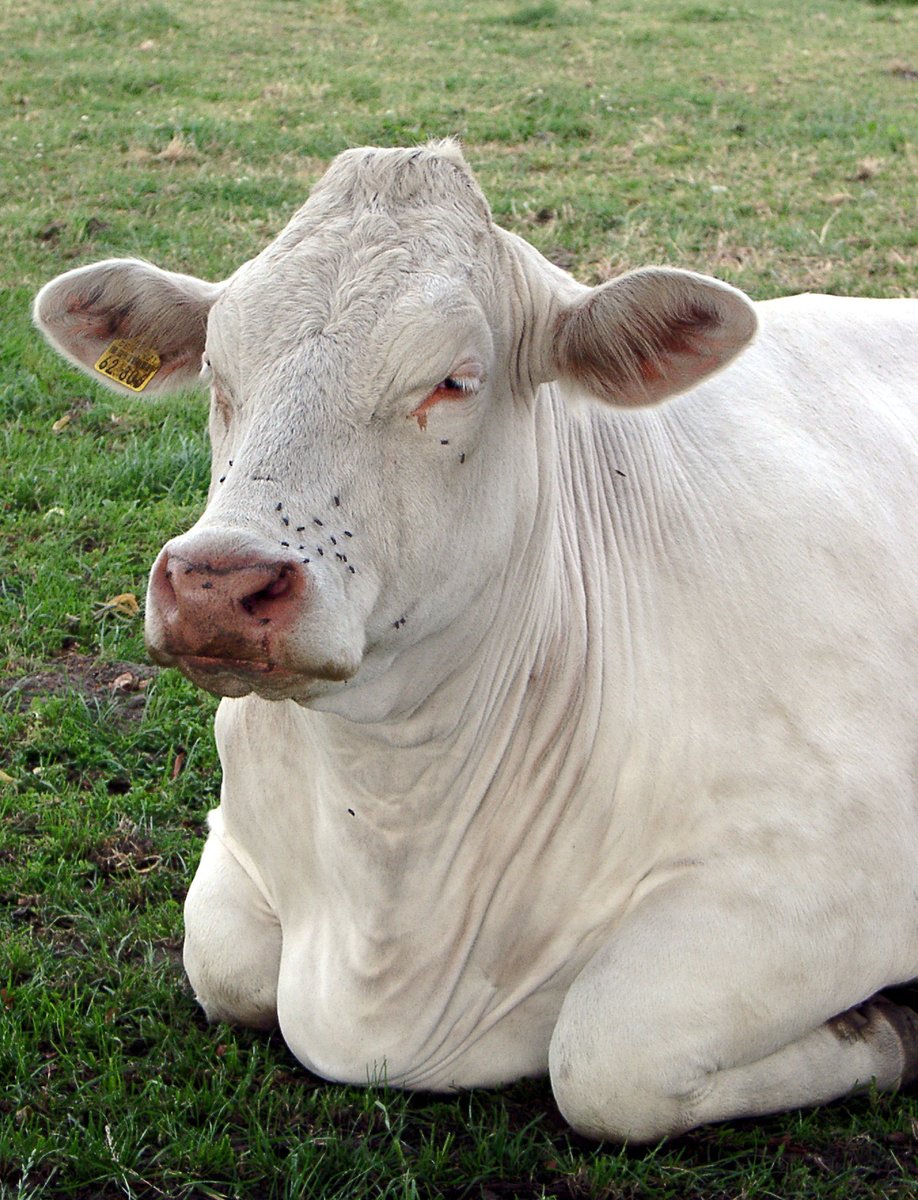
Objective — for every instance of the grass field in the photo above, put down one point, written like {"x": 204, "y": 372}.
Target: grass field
{"x": 771, "y": 144}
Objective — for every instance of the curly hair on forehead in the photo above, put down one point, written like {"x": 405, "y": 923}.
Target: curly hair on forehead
{"x": 392, "y": 179}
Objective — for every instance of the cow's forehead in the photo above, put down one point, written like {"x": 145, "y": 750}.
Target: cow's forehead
{"x": 351, "y": 293}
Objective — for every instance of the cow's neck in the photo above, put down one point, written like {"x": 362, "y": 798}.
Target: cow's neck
{"x": 443, "y": 750}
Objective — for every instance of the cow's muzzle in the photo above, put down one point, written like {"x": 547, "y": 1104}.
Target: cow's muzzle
{"x": 235, "y": 615}
{"x": 223, "y": 611}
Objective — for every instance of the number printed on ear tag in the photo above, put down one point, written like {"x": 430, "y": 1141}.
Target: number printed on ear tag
{"x": 129, "y": 363}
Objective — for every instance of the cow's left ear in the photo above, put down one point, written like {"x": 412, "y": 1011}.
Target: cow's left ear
{"x": 128, "y": 324}
{"x": 650, "y": 334}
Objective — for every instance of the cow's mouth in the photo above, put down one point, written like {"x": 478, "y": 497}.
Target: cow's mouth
{"x": 235, "y": 677}
{"x": 238, "y": 666}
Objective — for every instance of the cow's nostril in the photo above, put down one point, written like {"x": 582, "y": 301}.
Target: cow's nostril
{"x": 257, "y": 602}
{"x": 279, "y": 587}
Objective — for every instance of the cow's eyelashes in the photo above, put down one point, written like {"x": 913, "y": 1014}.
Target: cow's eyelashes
{"x": 454, "y": 387}
{"x": 461, "y": 382}
{"x": 455, "y": 383}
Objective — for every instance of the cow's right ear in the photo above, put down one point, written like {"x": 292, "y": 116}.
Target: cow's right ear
{"x": 649, "y": 335}
{"x": 130, "y": 325}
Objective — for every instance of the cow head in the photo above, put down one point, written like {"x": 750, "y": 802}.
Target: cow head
{"x": 376, "y": 421}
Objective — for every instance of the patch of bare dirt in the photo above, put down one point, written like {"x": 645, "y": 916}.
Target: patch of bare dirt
{"x": 126, "y": 852}
{"x": 123, "y": 683}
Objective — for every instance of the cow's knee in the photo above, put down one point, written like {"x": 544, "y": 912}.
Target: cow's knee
{"x": 232, "y": 942}
{"x": 628, "y": 1060}
{"x": 607, "y": 1092}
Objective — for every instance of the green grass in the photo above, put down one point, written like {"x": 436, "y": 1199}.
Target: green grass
{"x": 773, "y": 145}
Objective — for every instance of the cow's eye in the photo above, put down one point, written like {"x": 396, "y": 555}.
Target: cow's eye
{"x": 453, "y": 387}
{"x": 206, "y": 371}
{"x": 457, "y": 383}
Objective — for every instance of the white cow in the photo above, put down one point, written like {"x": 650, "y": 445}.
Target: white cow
{"x": 563, "y": 732}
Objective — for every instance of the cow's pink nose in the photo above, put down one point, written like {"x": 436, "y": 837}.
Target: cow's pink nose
{"x": 229, "y": 606}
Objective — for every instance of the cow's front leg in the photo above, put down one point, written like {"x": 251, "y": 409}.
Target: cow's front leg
{"x": 704, "y": 1007}
{"x": 232, "y": 939}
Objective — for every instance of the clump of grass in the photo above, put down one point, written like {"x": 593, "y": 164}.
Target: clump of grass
{"x": 534, "y": 16}
{"x": 703, "y": 14}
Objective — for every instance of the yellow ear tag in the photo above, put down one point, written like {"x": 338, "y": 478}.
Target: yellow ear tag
{"x": 129, "y": 363}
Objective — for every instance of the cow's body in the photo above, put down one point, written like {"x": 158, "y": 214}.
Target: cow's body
{"x": 588, "y": 741}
